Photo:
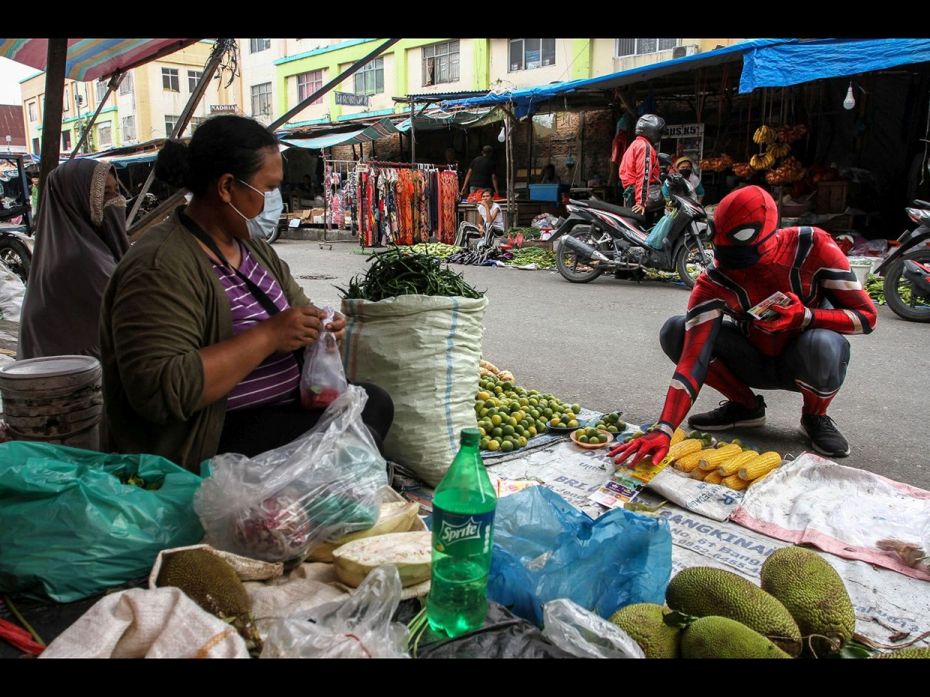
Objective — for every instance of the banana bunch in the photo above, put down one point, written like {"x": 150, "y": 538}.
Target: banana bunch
{"x": 779, "y": 150}
{"x": 762, "y": 161}
{"x": 764, "y": 135}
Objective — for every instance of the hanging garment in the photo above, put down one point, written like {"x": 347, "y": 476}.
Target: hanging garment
{"x": 435, "y": 217}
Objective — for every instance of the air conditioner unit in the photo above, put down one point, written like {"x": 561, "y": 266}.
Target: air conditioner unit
{"x": 682, "y": 51}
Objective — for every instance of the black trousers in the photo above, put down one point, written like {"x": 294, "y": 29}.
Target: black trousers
{"x": 817, "y": 357}
{"x": 254, "y": 431}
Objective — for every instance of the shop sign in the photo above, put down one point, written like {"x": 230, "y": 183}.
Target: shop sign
{"x": 224, "y": 108}
{"x": 684, "y": 130}
{"x": 347, "y": 99}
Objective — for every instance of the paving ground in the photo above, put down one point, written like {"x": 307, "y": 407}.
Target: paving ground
{"x": 597, "y": 344}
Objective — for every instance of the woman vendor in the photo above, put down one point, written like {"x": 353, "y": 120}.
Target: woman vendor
{"x": 203, "y": 327}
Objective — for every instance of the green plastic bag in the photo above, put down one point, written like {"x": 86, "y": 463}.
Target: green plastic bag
{"x": 71, "y": 528}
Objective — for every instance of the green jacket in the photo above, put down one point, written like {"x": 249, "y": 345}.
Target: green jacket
{"x": 163, "y": 303}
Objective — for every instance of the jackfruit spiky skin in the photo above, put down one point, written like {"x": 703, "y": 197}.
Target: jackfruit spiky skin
{"x": 208, "y": 580}
{"x": 912, "y": 652}
{"x": 704, "y": 591}
{"x": 643, "y": 622}
{"x": 812, "y": 590}
{"x": 721, "y": 637}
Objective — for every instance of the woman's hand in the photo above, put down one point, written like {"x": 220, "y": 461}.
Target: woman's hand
{"x": 337, "y": 327}
{"x": 294, "y": 328}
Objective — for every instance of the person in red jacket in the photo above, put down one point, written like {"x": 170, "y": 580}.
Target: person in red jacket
{"x": 800, "y": 348}
{"x": 640, "y": 165}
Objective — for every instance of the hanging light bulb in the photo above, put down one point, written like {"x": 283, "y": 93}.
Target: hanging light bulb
{"x": 502, "y": 136}
{"x": 850, "y": 101}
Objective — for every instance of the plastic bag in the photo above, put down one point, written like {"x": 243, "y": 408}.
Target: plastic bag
{"x": 358, "y": 627}
{"x": 76, "y": 522}
{"x": 544, "y": 549}
{"x": 586, "y": 635}
{"x": 277, "y": 505}
{"x": 322, "y": 378}
{"x": 660, "y": 230}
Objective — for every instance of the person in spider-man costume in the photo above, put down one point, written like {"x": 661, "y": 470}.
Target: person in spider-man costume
{"x": 801, "y": 348}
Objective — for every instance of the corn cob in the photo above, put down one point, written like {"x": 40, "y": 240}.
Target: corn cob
{"x": 682, "y": 448}
{"x": 734, "y": 482}
{"x": 759, "y": 479}
{"x": 699, "y": 474}
{"x": 732, "y": 465}
{"x": 763, "y": 464}
{"x": 678, "y": 436}
{"x": 711, "y": 455}
{"x": 713, "y": 477}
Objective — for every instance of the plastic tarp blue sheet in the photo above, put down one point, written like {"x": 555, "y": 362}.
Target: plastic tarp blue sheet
{"x": 798, "y": 61}
{"x": 384, "y": 127}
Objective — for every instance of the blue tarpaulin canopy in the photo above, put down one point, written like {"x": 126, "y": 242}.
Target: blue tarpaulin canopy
{"x": 802, "y": 60}
{"x": 384, "y": 127}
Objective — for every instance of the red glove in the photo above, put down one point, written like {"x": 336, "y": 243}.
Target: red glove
{"x": 790, "y": 317}
{"x": 654, "y": 444}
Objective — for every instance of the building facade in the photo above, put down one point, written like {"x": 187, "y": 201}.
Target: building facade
{"x": 146, "y": 106}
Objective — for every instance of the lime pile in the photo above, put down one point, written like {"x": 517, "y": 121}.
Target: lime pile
{"x": 611, "y": 423}
{"x": 509, "y": 416}
{"x": 591, "y": 435}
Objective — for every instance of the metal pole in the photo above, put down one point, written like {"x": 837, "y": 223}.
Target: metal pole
{"x": 413, "y": 134}
{"x": 507, "y": 152}
{"x": 51, "y": 123}
{"x": 209, "y": 69}
{"x": 114, "y": 83}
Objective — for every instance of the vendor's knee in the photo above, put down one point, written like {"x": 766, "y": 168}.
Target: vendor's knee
{"x": 825, "y": 354}
{"x": 672, "y": 337}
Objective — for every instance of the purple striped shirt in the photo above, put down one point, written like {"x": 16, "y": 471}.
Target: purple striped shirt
{"x": 276, "y": 379}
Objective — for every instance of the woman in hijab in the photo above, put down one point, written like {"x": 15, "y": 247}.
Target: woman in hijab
{"x": 80, "y": 235}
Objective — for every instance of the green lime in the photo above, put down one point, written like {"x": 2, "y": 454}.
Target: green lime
{"x": 508, "y": 430}
{"x": 494, "y": 445}
{"x": 576, "y": 408}
{"x": 497, "y": 432}
{"x": 573, "y": 423}
{"x": 484, "y": 443}
{"x": 582, "y": 439}
{"x": 612, "y": 429}
{"x": 522, "y": 441}
{"x": 506, "y": 446}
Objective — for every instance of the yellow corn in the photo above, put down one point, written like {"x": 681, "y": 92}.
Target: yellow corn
{"x": 714, "y": 457}
{"x": 678, "y": 436}
{"x": 759, "y": 479}
{"x": 734, "y": 482}
{"x": 682, "y": 448}
{"x": 713, "y": 477}
{"x": 732, "y": 465}
{"x": 763, "y": 464}
{"x": 698, "y": 473}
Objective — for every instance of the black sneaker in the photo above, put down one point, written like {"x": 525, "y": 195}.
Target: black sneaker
{"x": 825, "y": 437}
{"x": 729, "y": 415}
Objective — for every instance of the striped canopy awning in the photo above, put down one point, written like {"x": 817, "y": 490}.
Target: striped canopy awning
{"x": 91, "y": 59}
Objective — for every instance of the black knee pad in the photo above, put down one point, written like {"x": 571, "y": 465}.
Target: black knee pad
{"x": 672, "y": 337}
{"x": 824, "y": 356}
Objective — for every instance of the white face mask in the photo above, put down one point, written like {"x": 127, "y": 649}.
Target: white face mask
{"x": 263, "y": 224}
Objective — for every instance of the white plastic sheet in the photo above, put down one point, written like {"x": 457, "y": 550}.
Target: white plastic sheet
{"x": 584, "y": 634}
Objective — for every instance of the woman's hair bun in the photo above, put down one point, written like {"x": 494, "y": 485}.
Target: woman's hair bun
{"x": 173, "y": 164}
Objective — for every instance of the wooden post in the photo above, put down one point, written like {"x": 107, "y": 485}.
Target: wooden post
{"x": 51, "y": 117}
{"x": 581, "y": 155}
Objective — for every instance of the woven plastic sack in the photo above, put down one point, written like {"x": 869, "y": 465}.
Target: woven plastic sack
{"x": 424, "y": 351}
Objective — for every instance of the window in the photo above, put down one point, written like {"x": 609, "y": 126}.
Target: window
{"x": 125, "y": 87}
{"x": 105, "y": 134}
{"x": 639, "y": 47}
{"x": 370, "y": 79}
{"x": 193, "y": 77}
{"x": 529, "y": 54}
{"x": 66, "y": 140}
{"x": 441, "y": 63}
{"x": 261, "y": 99}
{"x": 101, "y": 90}
{"x": 128, "y": 125}
{"x": 258, "y": 45}
{"x": 66, "y": 103}
{"x": 170, "y": 123}
{"x": 36, "y": 146}
{"x": 307, "y": 84}
{"x": 169, "y": 80}
{"x": 33, "y": 112}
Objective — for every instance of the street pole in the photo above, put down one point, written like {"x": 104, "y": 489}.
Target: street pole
{"x": 56, "y": 62}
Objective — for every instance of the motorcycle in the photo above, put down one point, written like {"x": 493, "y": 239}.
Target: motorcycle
{"x": 598, "y": 237}
{"x": 16, "y": 248}
{"x": 907, "y": 269}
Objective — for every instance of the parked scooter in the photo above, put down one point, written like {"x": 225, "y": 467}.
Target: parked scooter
{"x": 907, "y": 269}
{"x": 599, "y": 237}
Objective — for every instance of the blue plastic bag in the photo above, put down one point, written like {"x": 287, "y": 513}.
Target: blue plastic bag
{"x": 544, "y": 549}
{"x": 71, "y": 528}
{"x": 656, "y": 237}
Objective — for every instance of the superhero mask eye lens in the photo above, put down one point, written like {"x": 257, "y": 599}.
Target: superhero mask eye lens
{"x": 744, "y": 234}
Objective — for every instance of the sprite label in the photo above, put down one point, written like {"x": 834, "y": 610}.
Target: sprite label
{"x": 462, "y": 535}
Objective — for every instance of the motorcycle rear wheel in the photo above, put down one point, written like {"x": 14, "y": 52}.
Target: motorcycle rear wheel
{"x": 16, "y": 256}
{"x": 691, "y": 262}
{"x": 899, "y": 293}
{"x": 570, "y": 265}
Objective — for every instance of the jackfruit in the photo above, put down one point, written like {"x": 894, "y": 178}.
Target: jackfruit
{"x": 806, "y": 584}
{"x": 912, "y": 652}
{"x": 643, "y": 622}
{"x": 721, "y": 637}
{"x": 213, "y": 584}
{"x": 702, "y": 591}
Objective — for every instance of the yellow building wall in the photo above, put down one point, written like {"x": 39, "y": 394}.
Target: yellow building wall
{"x": 466, "y": 79}
{"x": 376, "y": 102}
{"x": 560, "y": 72}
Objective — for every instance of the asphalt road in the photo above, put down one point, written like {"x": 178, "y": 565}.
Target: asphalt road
{"x": 597, "y": 344}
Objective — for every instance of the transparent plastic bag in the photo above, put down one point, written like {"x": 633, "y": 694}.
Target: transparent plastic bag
{"x": 277, "y": 505}
{"x": 323, "y": 378}
{"x": 358, "y": 627}
{"x": 584, "y": 634}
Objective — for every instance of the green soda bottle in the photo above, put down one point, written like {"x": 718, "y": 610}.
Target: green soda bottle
{"x": 463, "y": 521}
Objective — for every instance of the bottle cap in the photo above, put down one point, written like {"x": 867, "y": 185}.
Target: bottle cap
{"x": 471, "y": 436}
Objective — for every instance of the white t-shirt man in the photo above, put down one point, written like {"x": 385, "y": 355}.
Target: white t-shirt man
{"x": 494, "y": 217}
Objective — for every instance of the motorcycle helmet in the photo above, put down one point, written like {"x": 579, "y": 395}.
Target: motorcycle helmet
{"x": 745, "y": 222}
{"x": 651, "y": 126}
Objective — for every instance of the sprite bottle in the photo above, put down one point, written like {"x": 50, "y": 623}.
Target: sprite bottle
{"x": 463, "y": 520}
